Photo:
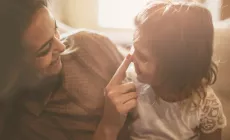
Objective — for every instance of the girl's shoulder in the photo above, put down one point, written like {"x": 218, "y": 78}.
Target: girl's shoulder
{"x": 211, "y": 113}
{"x": 210, "y": 101}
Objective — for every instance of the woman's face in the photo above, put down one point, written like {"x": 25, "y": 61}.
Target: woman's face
{"x": 42, "y": 44}
{"x": 144, "y": 61}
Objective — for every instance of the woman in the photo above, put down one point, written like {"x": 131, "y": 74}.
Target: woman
{"x": 49, "y": 96}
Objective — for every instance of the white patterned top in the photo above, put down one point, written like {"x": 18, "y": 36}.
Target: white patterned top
{"x": 161, "y": 120}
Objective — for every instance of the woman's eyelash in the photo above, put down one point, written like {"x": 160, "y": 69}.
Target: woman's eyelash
{"x": 45, "y": 52}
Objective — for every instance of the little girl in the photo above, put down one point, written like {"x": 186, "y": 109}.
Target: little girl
{"x": 173, "y": 48}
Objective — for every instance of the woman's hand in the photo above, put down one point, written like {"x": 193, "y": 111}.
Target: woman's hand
{"x": 119, "y": 100}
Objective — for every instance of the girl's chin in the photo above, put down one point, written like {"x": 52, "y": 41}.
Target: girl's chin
{"x": 140, "y": 78}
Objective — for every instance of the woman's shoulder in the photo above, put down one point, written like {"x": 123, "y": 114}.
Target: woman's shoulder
{"x": 92, "y": 44}
{"x": 82, "y": 34}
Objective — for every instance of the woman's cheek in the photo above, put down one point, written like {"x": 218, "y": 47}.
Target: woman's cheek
{"x": 43, "y": 62}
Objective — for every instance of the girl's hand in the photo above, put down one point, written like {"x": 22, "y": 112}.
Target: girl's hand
{"x": 119, "y": 98}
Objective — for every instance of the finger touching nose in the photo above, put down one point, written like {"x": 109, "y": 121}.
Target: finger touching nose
{"x": 120, "y": 74}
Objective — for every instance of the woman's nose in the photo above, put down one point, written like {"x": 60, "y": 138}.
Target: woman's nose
{"x": 58, "y": 45}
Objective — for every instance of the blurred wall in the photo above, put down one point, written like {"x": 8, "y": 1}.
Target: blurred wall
{"x": 84, "y": 13}
{"x": 225, "y": 10}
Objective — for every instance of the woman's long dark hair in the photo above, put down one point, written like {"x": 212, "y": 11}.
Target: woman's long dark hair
{"x": 16, "y": 16}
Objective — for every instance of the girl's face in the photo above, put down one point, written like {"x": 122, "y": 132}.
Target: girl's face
{"x": 144, "y": 61}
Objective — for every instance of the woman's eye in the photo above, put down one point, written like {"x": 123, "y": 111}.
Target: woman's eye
{"x": 45, "y": 51}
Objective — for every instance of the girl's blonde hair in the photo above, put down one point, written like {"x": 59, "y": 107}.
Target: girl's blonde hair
{"x": 181, "y": 38}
